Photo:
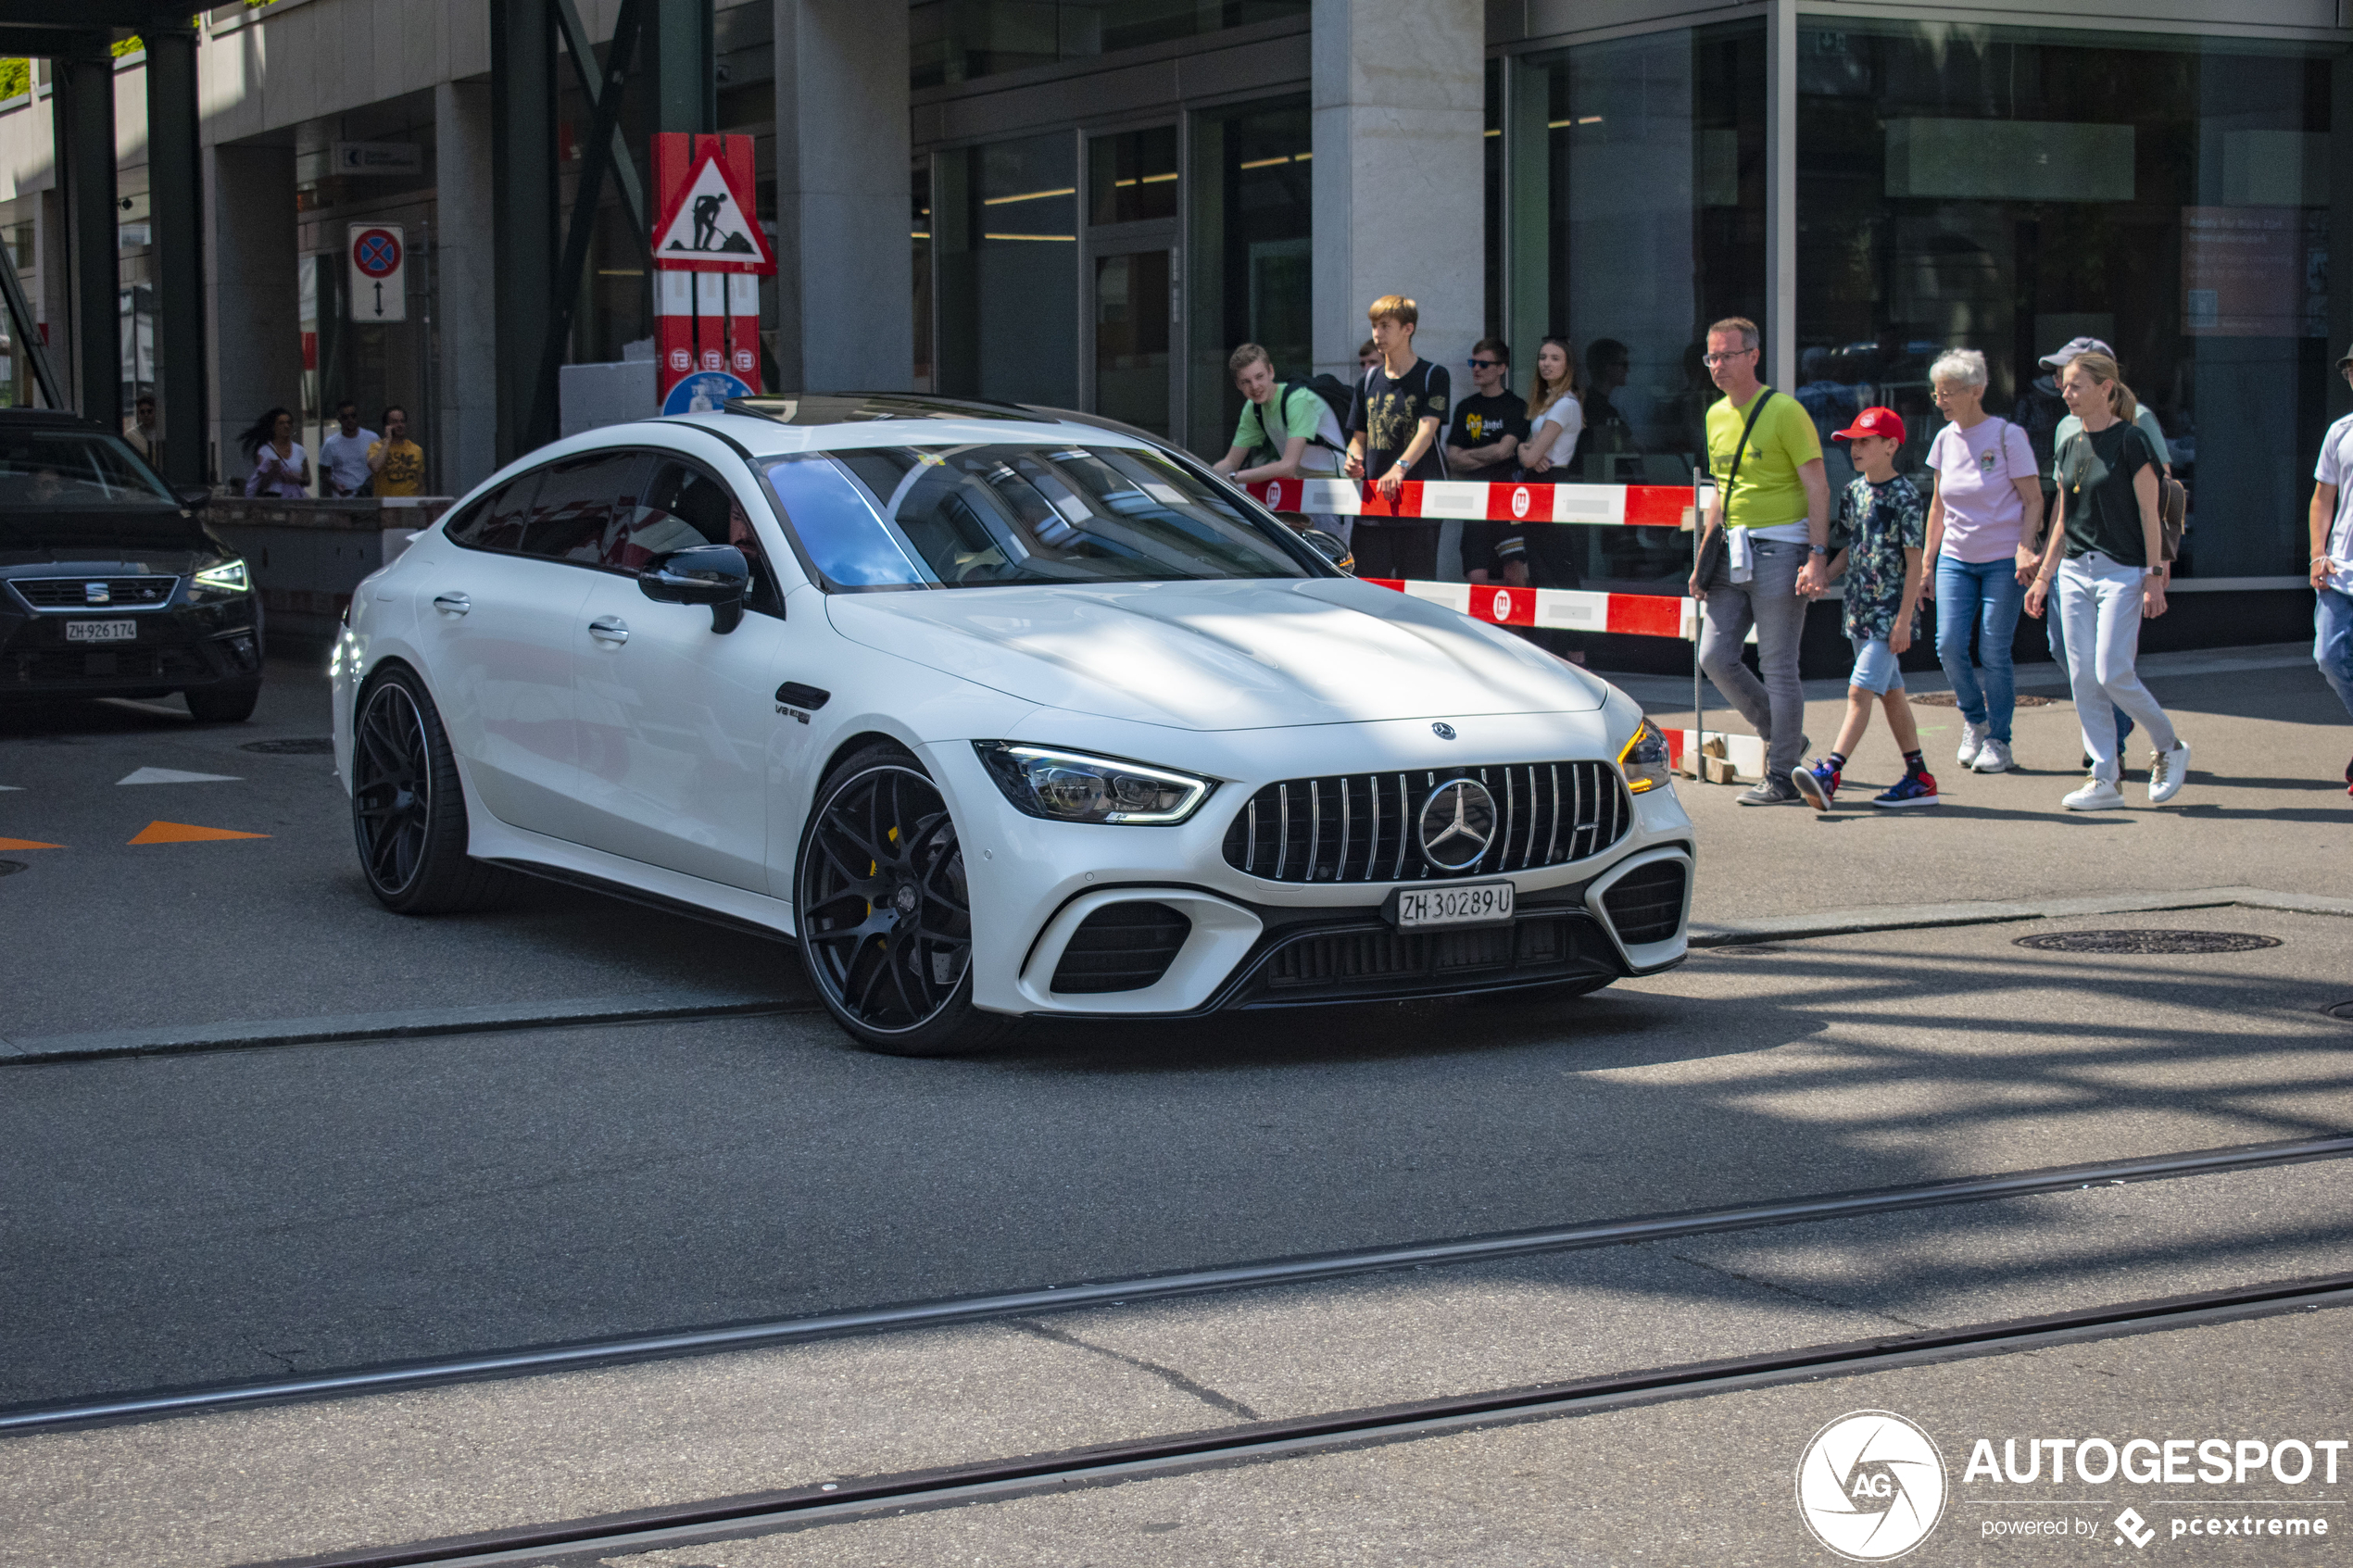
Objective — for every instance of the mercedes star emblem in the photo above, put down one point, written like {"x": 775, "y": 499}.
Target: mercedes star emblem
{"x": 1458, "y": 821}
{"x": 1442, "y": 730}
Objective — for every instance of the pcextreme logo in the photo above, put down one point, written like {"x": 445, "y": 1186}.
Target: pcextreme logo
{"x": 1871, "y": 1486}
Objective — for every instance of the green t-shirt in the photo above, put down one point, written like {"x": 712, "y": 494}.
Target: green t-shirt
{"x": 1768, "y": 494}
{"x": 1301, "y": 414}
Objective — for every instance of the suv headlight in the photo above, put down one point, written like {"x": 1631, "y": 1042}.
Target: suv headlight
{"x": 1645, "y": 761}
{"x": 228, "y": 577}
{"x": 1070, "y": 786}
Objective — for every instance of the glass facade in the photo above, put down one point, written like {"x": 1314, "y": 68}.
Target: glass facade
{"x": 1250, "y": 232}
{"x": 961, "y": 40}
{"x": 1004, "y": 248}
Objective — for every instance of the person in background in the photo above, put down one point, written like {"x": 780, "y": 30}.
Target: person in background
{"x": 281, "y": 468}
{"x": 343, "y": 456}
{"x": 140, "y": 429}
{"x": 1886, "y": 520}
{"x": 1983, "y": 517}
{"x": 1555, "y": 413}
{"x": 2332, "y": 565}
{"x": 1483, "y": 444}
{"x": 2111, "y": 578}
{"x": 1367, "y": 356}
{"x": 1300, "y": 439}
{"x": 398, "y": 462}
{"x": 1774, "y": 514}
{"x": 1608, "y": 365}
{"x": 1392, "y": 436}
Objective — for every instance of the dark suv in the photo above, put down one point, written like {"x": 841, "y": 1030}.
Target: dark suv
{"x": 110, "y": 584}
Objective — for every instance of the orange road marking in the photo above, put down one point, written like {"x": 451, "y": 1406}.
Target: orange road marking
{"x": 27, "y": 844}
{"x": 181, "y": 832}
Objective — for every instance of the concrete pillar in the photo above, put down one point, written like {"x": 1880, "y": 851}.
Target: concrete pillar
{"x": 249, "y": 248}
{"x": 1780, "y": 194}
{"x": 174, "y": 181}
{"x": 522, "y": 216}
{"x": 466, "y": 422}
{"x": 1399, "y": 95}
{"x": 845, "y": 279}
{"x": 83, "y": 106}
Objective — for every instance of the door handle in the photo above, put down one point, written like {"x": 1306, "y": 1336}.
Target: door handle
{"x": 452, "y": 603}
{"x": 609, "y": 629}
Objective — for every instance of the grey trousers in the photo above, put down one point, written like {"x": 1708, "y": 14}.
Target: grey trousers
{"x": 1775, "y": 706}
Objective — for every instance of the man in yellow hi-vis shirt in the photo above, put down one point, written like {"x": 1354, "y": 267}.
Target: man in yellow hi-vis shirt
{"x": 1772, "y": 509}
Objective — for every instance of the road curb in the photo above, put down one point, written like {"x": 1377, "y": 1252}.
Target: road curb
{"x": 1925, "y": 917}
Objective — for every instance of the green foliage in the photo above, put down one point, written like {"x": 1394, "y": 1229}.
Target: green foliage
{"x": 16, "y": 77}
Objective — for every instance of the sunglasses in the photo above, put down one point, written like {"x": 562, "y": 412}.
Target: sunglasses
{"x": 1486, "y": 364}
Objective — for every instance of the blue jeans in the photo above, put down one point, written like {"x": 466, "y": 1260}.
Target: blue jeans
{"x": 1988, "y": 594}
{"x": 2333, "y": 642}
{"x": 2051, "y": 618}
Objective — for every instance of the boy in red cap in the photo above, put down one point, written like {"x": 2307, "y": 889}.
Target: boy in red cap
{"x": 1884, "y": 519}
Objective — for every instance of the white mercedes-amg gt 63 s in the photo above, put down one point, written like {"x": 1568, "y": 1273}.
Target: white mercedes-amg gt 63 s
{"x": 997, "y": 714}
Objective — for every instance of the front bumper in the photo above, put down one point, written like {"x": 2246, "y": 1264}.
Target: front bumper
{"x": 176, "y": 648}
{"x": 1083, "y": 920}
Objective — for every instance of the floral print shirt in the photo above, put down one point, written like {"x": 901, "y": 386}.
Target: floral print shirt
{"x": 1880, "y": 523}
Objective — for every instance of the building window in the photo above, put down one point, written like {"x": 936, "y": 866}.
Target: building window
{"x": 955, "y": 41}
{"x": 1004, "y": 227}
{"x": 1250, "y": 228}
{"x": 2009, "y": 189}
{"x": 1635, "y": 215}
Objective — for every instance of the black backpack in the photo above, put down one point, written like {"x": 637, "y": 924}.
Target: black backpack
{"x": 1336, "y": 396}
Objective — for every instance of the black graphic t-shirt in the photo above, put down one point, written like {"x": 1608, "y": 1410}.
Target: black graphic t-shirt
{"x": 1482, "y": 421}
{"x": 1388, "y": 413}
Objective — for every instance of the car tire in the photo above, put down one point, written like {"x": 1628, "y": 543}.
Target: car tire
{"x": 223, "y": 705}
{"x": 889, "y": 948}
{"x": 407, "y": 808}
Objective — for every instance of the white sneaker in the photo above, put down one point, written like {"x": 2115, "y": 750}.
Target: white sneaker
{"x": 1993, "y": 758}
{"x": 1972, "y": 743}
{"x": 2168, "y": 771}
{"x": 2097, "y": 795}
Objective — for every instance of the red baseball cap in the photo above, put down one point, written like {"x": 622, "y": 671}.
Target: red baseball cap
{"x": 1874, "y": 422}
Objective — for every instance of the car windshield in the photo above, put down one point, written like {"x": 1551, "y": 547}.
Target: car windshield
{"x": 78, "y": 470}
{"x": 988, "y": 515}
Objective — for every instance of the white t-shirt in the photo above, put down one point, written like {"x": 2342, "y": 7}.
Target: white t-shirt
{"x": 345, "y": 460}
{"x": 2336, "y": 467}
{"x": 1984, "y": 518}
{"x": 1566, "y": 413}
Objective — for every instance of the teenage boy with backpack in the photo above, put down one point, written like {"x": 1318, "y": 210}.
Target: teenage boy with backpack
{"x": 1392, "y": 436}
{"x": 1308, "y": 445}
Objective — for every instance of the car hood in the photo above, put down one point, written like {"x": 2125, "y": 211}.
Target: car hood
{"x": 1220, "y": 656}
{"x": 144, "y": 540}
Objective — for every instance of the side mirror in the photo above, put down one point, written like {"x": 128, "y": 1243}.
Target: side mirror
{"x": 193, "y": 497}
{"x": 1331, "y": 547}
{"x": 716, "y": 575}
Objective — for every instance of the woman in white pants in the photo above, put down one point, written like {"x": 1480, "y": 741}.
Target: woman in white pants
{"x": 2106, "y": 558}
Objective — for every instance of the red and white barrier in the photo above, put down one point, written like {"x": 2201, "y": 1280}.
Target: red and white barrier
{"x": 1608, "y": 506}
{"x": 1746, "y": 753}
{"x": 1565, "y": 610}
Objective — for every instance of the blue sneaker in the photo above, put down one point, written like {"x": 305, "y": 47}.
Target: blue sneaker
{"x": 1817, "y": 783}
{"x": 1913, "y": 789}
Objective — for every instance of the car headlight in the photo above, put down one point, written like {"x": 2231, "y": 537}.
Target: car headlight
{"x": 1646, "y": 761}
{"x": 1070, "y": 786}
{"x": 228, "y": 577}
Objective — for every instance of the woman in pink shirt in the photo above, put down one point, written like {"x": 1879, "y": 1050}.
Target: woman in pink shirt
{"x": 1983, "y": 525}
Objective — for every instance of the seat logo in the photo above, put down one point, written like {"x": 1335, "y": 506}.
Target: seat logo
{"x": 1871, "y": 1486}
{"x": 97, "y": 593}
{"x": 1458, "y": 822}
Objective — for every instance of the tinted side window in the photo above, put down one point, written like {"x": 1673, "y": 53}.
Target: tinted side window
{"x": 573, "y": 515}
{"x": 683, "y": 507}
{"x": 495, "y": 522}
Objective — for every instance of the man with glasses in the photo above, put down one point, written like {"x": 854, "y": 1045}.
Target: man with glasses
{"x": 1483, "y": 444}
{"x": 1771, "y": 508}
{"x": 2331, "y": 564}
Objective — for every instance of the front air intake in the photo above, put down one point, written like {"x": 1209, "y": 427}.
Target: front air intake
{"x": 1647, "y": 905}
{"x": 1120, "y": 948}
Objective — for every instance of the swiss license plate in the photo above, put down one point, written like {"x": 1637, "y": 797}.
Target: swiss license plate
{"x": 1473, "y": 903}
{"x": 102, "y": 631}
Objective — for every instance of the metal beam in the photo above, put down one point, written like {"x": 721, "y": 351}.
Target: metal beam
{"x": 84, "y": 114}
{"x": 523, "y": 165}
{"x": 682, "y": 61}
{"x": 85, "y": 16}
{"x": 584, "y": 67}
{"x": 596, "y": 154}
{"x": 27, "y": 332}
{"x": 174, "y": 179}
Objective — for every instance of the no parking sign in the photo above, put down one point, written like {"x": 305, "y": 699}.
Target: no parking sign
{"x": 379, "y": 279}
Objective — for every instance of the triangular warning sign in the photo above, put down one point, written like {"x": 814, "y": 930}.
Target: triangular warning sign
{"x": 708, "y": 223}
{"x": 181, "y": 832}
{"x": 27, "y": 844}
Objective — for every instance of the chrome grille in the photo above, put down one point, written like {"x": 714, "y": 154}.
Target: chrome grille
{"x": 1361, "y": 827}
{"x": 73, "y": 592}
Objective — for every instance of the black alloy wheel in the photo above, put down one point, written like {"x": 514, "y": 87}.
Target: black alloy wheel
{"x": 408, "y": 809}
{"x": 885, "y": 915}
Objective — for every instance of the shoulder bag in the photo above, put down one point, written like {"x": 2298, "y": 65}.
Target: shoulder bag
{"x": 1712, "y": 545}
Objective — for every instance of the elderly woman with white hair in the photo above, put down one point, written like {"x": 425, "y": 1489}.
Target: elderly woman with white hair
{"x": 1983, "y": 522}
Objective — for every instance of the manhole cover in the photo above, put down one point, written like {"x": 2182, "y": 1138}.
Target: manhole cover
{"x": 305, "y": 746}
{"x": 1946, "y": 699}
{"x": 11, "y": 868}
{"x": 2148, "y": 942}
{"x": 2341, "y": 1013}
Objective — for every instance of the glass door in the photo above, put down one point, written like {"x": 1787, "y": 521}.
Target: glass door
{"x": 1133, "y": 305}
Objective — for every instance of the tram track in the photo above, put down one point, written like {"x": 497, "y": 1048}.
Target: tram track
{"x": 1075, "y": 1296}
{"x": 814, "y": 1506}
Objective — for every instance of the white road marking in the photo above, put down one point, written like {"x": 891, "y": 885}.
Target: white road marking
{"x": 174, "y": 775}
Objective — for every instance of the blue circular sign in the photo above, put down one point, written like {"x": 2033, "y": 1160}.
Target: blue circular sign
{"x": 377, "y": 251}
{"x": 705, "y": 391}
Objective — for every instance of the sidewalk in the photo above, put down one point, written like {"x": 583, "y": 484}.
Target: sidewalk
{"x": 2265, "y": 805}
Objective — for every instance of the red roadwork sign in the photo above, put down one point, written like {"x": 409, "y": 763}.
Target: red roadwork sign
{"x": 709, "y": 254}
